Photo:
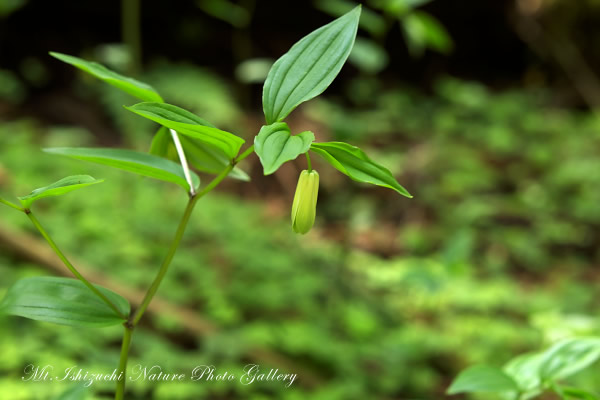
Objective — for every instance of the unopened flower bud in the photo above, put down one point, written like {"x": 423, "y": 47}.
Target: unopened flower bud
{"x": 304, "y": 207}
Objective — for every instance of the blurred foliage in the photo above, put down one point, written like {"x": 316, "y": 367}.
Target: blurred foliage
{"x": 492, "y": 258}
{"x": 369, "y": 327}
{"x": 507, "y": 179}
{"x": 421, "y": 30}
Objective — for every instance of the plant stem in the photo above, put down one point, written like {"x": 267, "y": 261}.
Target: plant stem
{"x": 245, "y": 154}
{"x": 308, "y": 163}
{"x": 130, "y": 26}
{"x": 134, "y": 319}
{"x": 122, "y": 369}
{"x": 8, "y": 203}
{"x": 70, "y": 266}
{"x": 165, "y": 264}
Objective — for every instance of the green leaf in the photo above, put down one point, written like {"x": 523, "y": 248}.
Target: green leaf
{"x": 525, "y": 370}
{"x": 200, "y": 155}
{"x": 275, "y": 145}
{"x": 568, "y": 357}
{"x": 62, "y": 301}
{"x": 132, "y": 161}
{"x": 162, "y": 144}
{"x": 191, "y": 125}
{"x": 134, "y": 87}
{"x": 571, "y": 393}
{"x": 309, "y": 67}
{"x": 207, "y": 158}
{"x": 482, "y": 378}
{"x": 353, "y": 162}
{"x": 423, "y": 30}
{"x": 61, "y": 187}
{"x": 370, "y": 21}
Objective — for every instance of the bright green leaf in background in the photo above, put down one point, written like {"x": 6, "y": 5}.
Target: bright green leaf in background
{"x": 275, "y": 145}
{"x": 353, "y": 162}
{"x": 309, "y": 67}
{"x": 568, "y": 357}
{"x": 63, "y": 301}
{"x": 191, "y": 125}
{"x": 571, "y": 393}
{"x": 524, "y": 369}
{"x": 424, "y": 31}
{"x": 370, "y": 21}
{"x": 482, "y": 378}
{"x": 135, "y": 88}
{"x": 132, "y": 161}
{"x": 61, "y": 187}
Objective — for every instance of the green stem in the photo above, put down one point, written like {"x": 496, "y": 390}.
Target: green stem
{"x": 308, "y": 164}
{"x": 245, "y": 154}
{"x": 130, "y": 26}
{"x": 134, "y": 319}
{"x": 8, "y": 203}
{"x": 166, "y": 263}
{"x": 122, "y": 369}
{"x": 70, "y": 266}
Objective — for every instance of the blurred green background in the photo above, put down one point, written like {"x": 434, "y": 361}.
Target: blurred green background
{"x": 485, "y": 111}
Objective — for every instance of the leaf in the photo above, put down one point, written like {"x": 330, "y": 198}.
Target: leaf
{"x": 370, "y": 21}
{"x": 207, "y": 158}
{"x": 191, "y": 125}
{"x": 571, "y": 393}
{"x": 568, "y": 357}
{"x": 353, "y": 162}
{"x": 275, "y": 145}
{"x": 162, "y": 144}
{"x": 62, "y": 301}
{"x": 134, "y": 87}
{"x": 200, "y": 155}
{"x": 423, "y": 30}
{"x": 482, "y": 378}
{"x": 61, "y": 187}
{"x": 132, "y": 161}
{"x": 309, "y": 67}
{"x": 525, "y": 370}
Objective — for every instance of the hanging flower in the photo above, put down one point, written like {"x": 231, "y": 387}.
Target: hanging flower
{"x": 304, "y": 207}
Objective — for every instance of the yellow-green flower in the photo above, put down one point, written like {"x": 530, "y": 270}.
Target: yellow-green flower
{"x": 304, "y": 208}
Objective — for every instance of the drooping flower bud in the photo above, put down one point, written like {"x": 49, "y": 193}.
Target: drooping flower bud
{"x": 304, "y": 208}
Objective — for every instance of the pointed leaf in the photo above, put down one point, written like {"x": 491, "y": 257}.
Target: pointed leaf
{"x": 162, "y": 144}
{"x": 207, "y": 158}
{"x": 134, "y": 87}
{"x": 200, "y": 155}
{"x": 568, "y": 357}
{"x": 525, "y": 370}
{"x": 309, "y": 67}
{"x": 189, "y": 124}
{"x": 482, "y": 378}
{"x": 353, "y": 162}
{"x": 63, "y": 186}
{"x": 132, "y": 161}
{"x": 571, "y": 393}
{"x": 62, "y": 301}
{"x": 275, "y": 145}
